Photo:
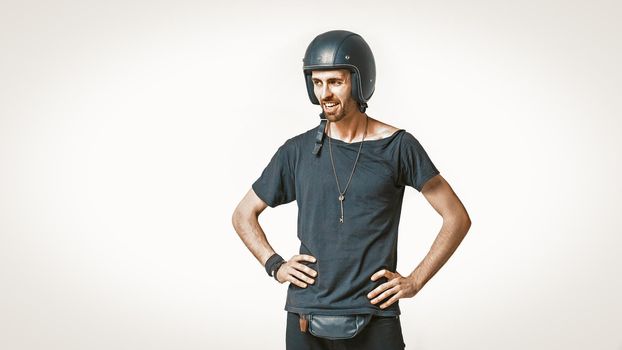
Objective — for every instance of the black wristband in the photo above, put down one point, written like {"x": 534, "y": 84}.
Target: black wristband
{"x": 273, "y": 263}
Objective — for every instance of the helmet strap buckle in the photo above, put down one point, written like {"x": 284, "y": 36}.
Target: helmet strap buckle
{"x": 362, "y": 107}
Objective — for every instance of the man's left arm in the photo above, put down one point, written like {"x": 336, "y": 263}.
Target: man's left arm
{"x": 456, "y": 224}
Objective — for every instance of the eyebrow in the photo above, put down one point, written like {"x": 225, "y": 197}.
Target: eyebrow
{"x": 329, "y": 79}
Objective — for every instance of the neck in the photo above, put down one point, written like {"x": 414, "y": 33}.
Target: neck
{"x": 349, "y": 129}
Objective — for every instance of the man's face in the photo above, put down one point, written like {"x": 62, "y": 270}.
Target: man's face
{"x": 333, "y": 88}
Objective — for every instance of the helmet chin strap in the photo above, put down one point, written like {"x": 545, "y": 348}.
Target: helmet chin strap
{"x": 319, "y": 135}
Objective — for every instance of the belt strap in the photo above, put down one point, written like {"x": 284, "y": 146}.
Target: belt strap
{"x": 304, "y": 324}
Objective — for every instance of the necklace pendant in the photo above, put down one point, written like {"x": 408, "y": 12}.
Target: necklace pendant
{"x": 341, "y": 220}
{"x": 341, "y": 197}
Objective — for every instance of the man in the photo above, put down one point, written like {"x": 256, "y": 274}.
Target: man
{"x": 348, "y": 177}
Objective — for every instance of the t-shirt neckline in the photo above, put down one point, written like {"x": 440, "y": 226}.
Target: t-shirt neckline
{"x": 366, "y": 141}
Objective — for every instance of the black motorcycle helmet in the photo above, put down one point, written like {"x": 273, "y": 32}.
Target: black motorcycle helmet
{"x": 341, "y": 49}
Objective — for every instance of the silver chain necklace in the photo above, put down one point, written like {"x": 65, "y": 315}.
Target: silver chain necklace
{"x": 342, "y": 194}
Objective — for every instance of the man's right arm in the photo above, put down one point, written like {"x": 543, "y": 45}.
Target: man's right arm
{"x": 246, "y": 223}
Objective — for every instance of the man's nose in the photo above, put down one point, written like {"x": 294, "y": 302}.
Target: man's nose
{"x": 325, "y": 92}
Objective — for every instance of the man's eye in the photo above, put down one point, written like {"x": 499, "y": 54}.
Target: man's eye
{"x": 317, "y": 83}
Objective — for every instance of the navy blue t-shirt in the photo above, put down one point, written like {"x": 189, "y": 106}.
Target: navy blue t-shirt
{"x": 347, "y": 253}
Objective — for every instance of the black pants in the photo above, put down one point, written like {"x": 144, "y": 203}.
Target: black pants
{"x": 382, "y": 333}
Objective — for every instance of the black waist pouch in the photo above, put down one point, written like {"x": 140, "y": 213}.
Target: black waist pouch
{"x": 336, "y": 327}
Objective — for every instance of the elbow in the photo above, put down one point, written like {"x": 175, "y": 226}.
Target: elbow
{"x": 240, "y": 217}
{"x": 466, "y": 222}
{"x": 235, "y": 219}
{"x": 460, "y": 221}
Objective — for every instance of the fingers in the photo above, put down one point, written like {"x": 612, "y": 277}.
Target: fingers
{"x": 381, "y": 288}
{"x": 301, "y": 276}
{"x": 382, "y": 273}
{"x": 387, "y": 293}
{"x": 294, "y": 262}
{"x": 302, "y": 257}
{"x": 296, "y": 273}
{"x": 397, "y": 287}
{"x": 292, "y": 279}
{"x": 393, "y": 299}
{"x": 300, "y": 267}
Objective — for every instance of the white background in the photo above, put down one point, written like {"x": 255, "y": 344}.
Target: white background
{"x": 129, "y": 131}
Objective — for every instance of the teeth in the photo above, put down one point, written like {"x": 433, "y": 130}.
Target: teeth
{"x": 331, "y": 104}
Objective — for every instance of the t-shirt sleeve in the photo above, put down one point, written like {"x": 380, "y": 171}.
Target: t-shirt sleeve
{"x": 276, "y": 184}
{"x": 415, "y": 166}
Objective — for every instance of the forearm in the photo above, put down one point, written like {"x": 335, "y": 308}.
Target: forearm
{"x": 451, "y": 234}
{"x": 248, "y": 228}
